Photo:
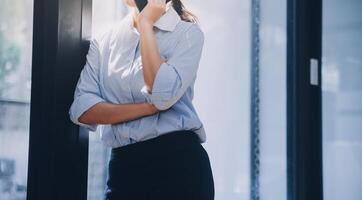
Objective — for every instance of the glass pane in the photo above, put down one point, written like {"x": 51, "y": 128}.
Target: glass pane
{"x": 16, "y": 20}
{"x": 221, "y": 93}
{"x": 272, "y": 114}
{"x": 342, "y": 99}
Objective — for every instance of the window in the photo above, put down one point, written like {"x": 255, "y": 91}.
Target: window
{"x": 342, "y": 97}
{"x": 15, "y": 83}
{"x": 272, "y": 94}
{"x": 222, "y": 92}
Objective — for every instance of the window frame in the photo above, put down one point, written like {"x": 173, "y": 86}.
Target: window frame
{"x": 304, "y": 108}
{"x": 58, "y": 149}
{"x": 304, "y": 121}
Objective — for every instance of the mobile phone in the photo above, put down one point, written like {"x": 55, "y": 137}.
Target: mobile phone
{"x": 141, "y": 4}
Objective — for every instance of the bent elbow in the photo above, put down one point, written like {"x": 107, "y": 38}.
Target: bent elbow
{"x": 163, "y": 105}
{"x": 78, "y": 117}
{"x": 163, "y": 102}
{"x": 83, "y": 119}
{"x": 72, "y": 115}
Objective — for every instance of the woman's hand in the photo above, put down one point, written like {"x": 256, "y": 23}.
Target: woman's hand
{"x": 152, "y": 12}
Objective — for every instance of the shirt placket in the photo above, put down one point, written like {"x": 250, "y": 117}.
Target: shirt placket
{"x": 129, "y": 80}
{"x": 130, "y": 69}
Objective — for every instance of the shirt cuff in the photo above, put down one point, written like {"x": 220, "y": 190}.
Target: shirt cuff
{"x": 82, "y": 104}
{"x": 165, "y": 87}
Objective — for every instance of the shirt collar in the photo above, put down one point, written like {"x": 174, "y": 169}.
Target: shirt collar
{"x": 167, "y": 22}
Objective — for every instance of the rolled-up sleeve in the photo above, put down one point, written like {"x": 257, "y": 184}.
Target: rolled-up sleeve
{"x": 179, "y": 71}
{"x": 87, "y": 92}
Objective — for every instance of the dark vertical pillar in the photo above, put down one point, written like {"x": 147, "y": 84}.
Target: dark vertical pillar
{"x": 255, "y": 102}
{"x": 304, "y": 137}
{"x": 58, "y": 152}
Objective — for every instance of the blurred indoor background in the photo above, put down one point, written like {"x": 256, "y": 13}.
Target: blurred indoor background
{"x": 224, "y": 84}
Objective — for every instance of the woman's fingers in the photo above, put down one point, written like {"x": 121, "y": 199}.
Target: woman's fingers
{"x": 157, "y": 3}
{"x": 153, "y": 10}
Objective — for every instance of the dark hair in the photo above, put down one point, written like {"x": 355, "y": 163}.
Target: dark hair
{"x": 185, "y": 14}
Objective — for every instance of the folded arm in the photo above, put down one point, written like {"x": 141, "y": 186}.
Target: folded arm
{"x": 108, "y": 113}
{"x": 89, "y": 108}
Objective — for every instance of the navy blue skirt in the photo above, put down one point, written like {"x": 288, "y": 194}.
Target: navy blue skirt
{"x": 173, "y": 166}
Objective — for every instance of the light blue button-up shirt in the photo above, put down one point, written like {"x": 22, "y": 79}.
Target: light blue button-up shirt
{"x": 113, "y": 73}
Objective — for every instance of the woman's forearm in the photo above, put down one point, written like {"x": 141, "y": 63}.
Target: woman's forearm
{"x": 108, "y": 113}
{"x": 151, "y": 59}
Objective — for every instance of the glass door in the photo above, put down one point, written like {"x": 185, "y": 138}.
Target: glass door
{"x": 222, "y": 92}
{"x": 271, "y": 103}
{"x": 16, "y": 26}
{"x": 342, "y": 99}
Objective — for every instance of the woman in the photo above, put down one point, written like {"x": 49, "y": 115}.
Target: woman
{"x": 138, "y": 82}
